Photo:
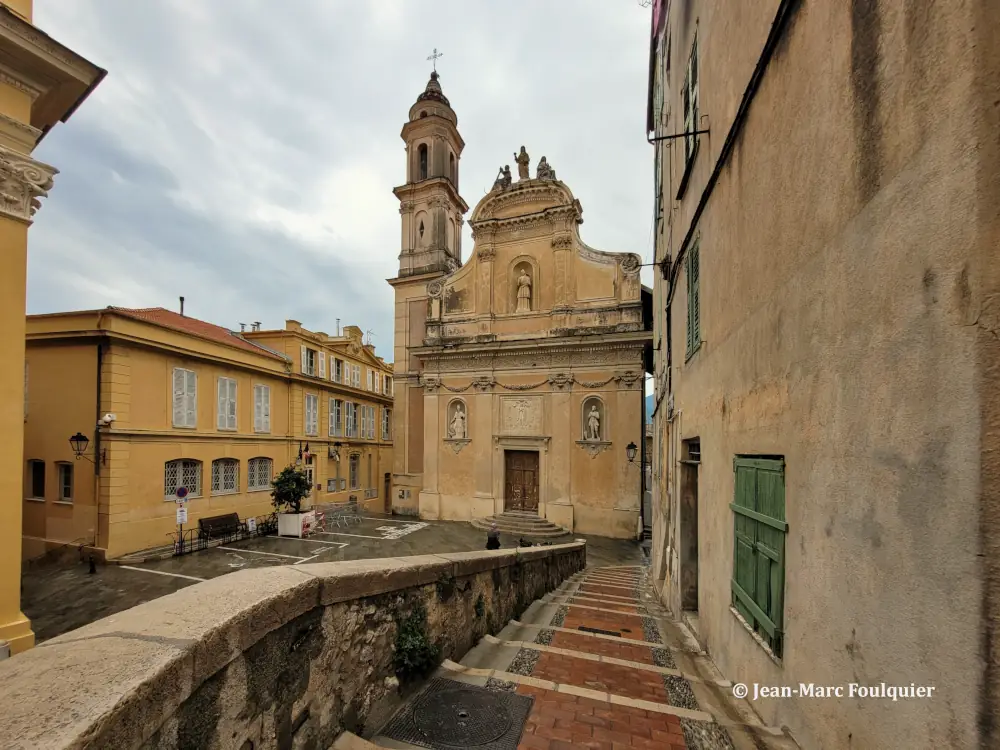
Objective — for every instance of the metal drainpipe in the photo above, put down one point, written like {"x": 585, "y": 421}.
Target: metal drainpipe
{"x": 97, "y": 448}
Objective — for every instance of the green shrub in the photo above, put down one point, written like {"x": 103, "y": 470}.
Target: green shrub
{"x": 289, "y": 489}
{"x": 415, "y": 655}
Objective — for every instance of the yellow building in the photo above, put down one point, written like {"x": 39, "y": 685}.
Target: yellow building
{"x": 167, "y": 400}
{"x": 41, "y": 83}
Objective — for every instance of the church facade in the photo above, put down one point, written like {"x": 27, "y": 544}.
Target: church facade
{"x": 520, "y": 373}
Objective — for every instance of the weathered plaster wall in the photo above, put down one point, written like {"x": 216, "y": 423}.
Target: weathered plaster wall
{"x": 281, "y": 658}
{"x": 842, "y": 276}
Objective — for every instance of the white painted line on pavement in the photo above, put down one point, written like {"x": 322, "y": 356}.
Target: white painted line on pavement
{"x": 162, "y": 573}
{"x": 313, "y": 541}
{"x": 258, "y": 552}
{"x": 359, "y": 536}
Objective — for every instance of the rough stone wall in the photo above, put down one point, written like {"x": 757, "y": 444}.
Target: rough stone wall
{"x": 277, "y": 658}
{"x": 845, "y": 305}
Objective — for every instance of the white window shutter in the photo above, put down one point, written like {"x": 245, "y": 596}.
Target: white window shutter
{"x": 322, "y": 365}
{"x": 231, "y": 413}
{"x": 267, "y": 409}
{"x": 258, "y": 411}
{"x": 330, "y": 420}
{"x": 304, "y": 358}
{"x": 179, "y": 390}
{"x": 191, "y": 399}
{"x": 223, "y": 389}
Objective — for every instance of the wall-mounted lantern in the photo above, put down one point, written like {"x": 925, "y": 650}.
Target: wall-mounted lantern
{"x": 79, "y": 443}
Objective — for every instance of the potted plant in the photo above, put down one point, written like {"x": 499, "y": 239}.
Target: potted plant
{"x": 289, "y": 489}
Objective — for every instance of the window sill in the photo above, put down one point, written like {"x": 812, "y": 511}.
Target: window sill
{"x": 757, "y": 639}
{"x": 258, "y": 489}
{"x": 62, "y": 502}
{"x": 217, "y": 493}
{"x": 35, "y": 499}
{"x": 225, "y": 429}
{"x": 185, "y": 427}
{"x": 261, "y": 432}
{"x": 173, "y": 498}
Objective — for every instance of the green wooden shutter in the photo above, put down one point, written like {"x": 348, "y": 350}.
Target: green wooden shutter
{"x": 759, "y": 554}
{"x": 696, "y": 298}
{"x": 690, "y": 298}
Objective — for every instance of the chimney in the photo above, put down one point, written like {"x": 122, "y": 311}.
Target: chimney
{"x": 182, "y": 305}
{"x": 338, "y": 327}
{"x": 256, "y": 325}
{"x": 243, "y": 327}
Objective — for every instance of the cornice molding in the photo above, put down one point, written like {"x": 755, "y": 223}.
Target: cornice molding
{"x": 23, "y": 183}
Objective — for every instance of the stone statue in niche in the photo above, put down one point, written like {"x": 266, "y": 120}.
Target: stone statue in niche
{"x": 545, "y": 172}
{"x": 523, "y": 291}
{"x": 457, "y": 429}
{"x": 593, "y": 424}
{"x": 523, "y": 160}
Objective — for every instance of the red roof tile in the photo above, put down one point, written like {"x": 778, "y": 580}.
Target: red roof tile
{"x": 160, "y": 316}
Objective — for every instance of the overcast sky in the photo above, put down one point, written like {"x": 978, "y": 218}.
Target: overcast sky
{"x": 242, "y": 153}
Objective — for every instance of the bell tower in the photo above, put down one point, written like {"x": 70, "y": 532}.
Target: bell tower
{"x": 429, "y": 203}
{"x": 431, "y": 212}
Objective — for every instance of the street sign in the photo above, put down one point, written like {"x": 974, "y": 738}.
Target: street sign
{"x": 181, "y": 493}
{"x": 251, "y": 525}
{"x": 182, "y": 515}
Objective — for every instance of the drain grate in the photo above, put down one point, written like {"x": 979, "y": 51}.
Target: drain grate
{"x": 449, "y": 715}
{"x": 585, "y": 629}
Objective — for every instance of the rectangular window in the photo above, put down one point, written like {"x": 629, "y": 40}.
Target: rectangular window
{"x": 387, "y": 424}
{"x": 259, "y": 471}
{"x": 227, "y": 404}
{"x": 312, "y": 414}
{"x": 355, "y": 470}
{"x": 338, "y": 370}
{"x": 185, "y": 398}
{"x": 36, "y": 475}
{"x": 691, "y": 270}
{"x": 351, "y": 419}
{"x": 336, "y": 417}
{"x": 262, "y": 408}
{"x": 66, "y": 482}
{"x": 309, "y": 359}
{"x": 758, "y": 582}
{"x": 331, "y": 485}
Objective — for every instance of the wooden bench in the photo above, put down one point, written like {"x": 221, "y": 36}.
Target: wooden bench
{"x": 219, "y": 526}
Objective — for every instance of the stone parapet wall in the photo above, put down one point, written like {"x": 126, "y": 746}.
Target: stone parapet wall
{"x": 284, "y": 657}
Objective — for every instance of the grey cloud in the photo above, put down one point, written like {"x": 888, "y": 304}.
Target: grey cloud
{"x": 215, "y": 112}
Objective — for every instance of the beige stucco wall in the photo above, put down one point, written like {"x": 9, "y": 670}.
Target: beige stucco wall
{"x": 843, "y": 270}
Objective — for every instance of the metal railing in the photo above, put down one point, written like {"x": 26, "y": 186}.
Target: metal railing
{"x": 194, "y": 540}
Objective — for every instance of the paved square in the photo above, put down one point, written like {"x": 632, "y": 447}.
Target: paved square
{"x": 60, "y": 598}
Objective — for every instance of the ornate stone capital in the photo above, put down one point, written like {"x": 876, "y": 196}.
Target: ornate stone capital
{"x": 484, "y": 383}
{"x": 487, "y": 252}
{"x": 562, "y": 241}
{"x": 561, "y": 381}
{"x": 627, "y": 379}
{"x": 23, "y": 182}
{"x": 594, "y": 447}
{"x": 431, "y": 384}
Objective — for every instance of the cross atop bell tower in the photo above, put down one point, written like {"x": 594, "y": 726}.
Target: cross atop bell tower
{"x": 430, "y": 206}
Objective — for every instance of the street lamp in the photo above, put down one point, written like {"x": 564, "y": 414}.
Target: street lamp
{"x": 630, "y": 451}
{"x": 79, "y": 443}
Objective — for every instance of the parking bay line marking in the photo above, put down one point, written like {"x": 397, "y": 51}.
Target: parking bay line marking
{"x": 359, "y": 536}
{"x": 162, "y": 573}
{"x": 258, "y": 552}
{"x": 313, "y": 541}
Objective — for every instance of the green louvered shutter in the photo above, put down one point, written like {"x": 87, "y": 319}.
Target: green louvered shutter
{"x": 759, "y": 556}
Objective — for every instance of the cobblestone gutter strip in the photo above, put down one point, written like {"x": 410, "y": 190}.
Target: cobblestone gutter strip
{"x": 560, "y": 617}
{"x": 524, "y": 662}
{"x": 663, "y": 658}
{"x": 705, "y": 735}
{"x": 544, "y": 637}
{"x": 650, "y": 631}
{"x": 500, "y": 686}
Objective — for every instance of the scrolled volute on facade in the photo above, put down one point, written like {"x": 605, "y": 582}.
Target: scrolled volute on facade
{"x": 23, "y": 183}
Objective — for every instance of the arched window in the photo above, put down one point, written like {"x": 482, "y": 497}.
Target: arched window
{"x": 183, "y": 472}
{"x": 259, "y": 473}
{"x": 225, "y": 476}
{"x": 422, "y": 162}
{"x": 451, "y": 169}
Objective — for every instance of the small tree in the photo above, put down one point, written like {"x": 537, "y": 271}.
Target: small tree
{"x": 291, "y": 486}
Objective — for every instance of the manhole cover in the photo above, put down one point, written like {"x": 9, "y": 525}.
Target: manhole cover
{"x": 461, "y": 717}
{"x": 451, "y": 715}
